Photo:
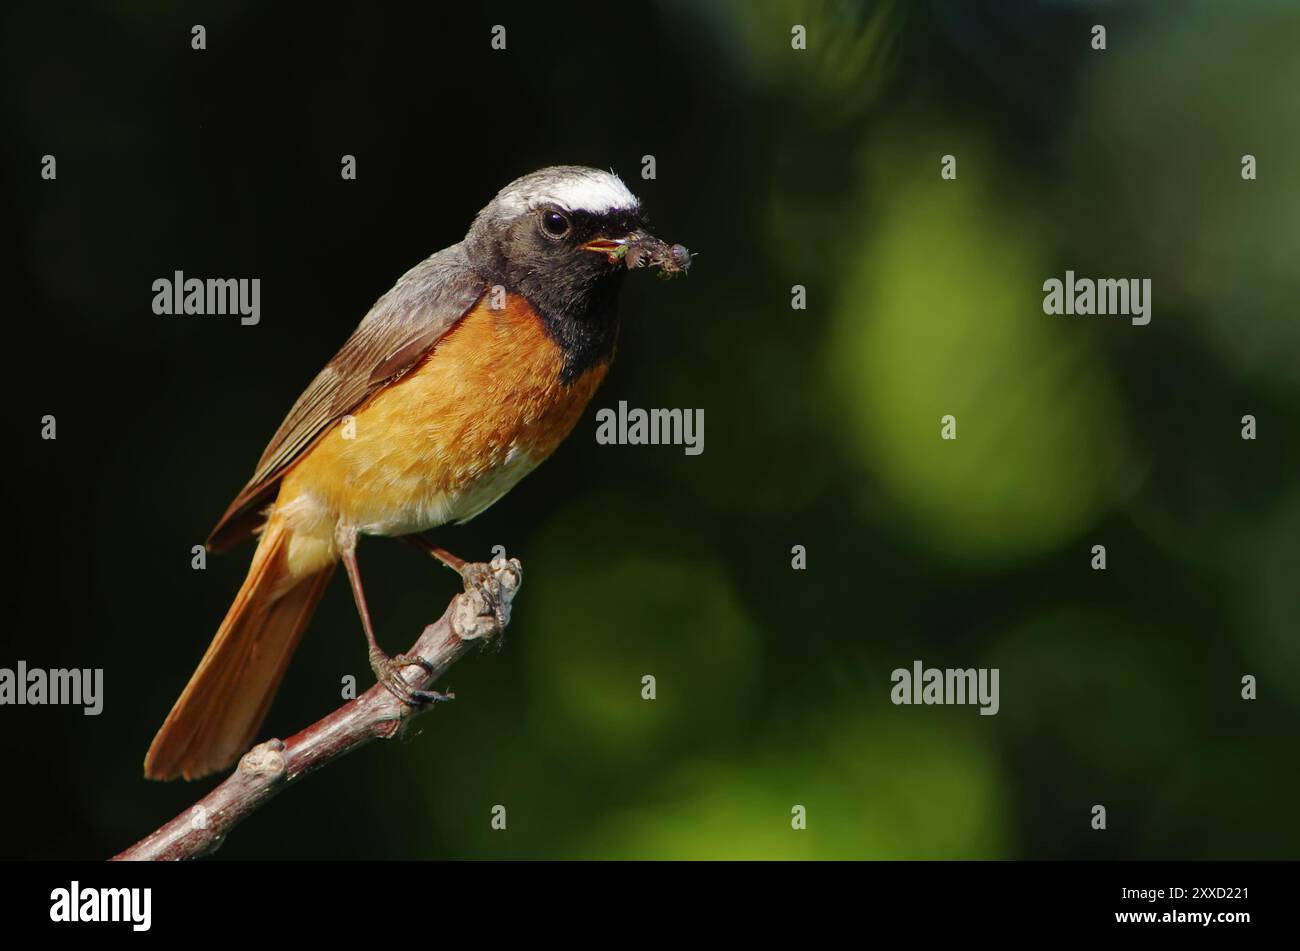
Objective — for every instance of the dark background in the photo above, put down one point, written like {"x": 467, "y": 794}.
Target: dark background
{"x": 818, "y": 168}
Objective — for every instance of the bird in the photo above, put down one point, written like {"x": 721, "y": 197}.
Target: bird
{"x": 460, "y": 380}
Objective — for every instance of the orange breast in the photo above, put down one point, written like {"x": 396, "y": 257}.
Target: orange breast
{"x": 447, "y": 439}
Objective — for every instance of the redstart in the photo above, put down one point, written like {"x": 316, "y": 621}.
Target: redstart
{"x": 457, "y": 383}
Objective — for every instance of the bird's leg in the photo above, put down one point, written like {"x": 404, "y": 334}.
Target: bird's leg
{"x": 476, "y": 576}
{"x": 388, "y": 670}
{"x": 454, "y": 562}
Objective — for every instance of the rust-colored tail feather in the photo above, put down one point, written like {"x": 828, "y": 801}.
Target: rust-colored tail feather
{"x": 221, "y": 708}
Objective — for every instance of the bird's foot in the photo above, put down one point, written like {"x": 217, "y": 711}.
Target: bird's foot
{"x": 388, "y": 671}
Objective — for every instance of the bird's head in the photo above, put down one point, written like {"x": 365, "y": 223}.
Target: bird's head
{"x": 563, "y": 237}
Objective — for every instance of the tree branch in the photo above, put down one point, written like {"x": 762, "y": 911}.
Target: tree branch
{"x": 272, "y": 766}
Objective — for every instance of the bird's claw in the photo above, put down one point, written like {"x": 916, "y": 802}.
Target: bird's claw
{"x": 388, "y": 671}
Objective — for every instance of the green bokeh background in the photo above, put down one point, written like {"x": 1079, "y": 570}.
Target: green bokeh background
{"x": 780, "y": 167}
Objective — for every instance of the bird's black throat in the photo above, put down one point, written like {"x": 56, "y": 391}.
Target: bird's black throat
{"x": 582, "y": 320}
{"x": 578, "y": 307}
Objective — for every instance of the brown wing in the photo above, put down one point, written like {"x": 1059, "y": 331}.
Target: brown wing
{"x": 401, "y": 328}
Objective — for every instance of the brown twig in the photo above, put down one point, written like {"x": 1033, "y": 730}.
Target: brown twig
{"x": 272, "y": 766}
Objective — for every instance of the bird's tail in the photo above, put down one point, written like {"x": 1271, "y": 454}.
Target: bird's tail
{"x": 222, "y": 706}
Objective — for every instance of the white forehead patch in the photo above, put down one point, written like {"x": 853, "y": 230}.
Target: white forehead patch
{"x": 573, "y": 188}
{"x": 599, "y": 193}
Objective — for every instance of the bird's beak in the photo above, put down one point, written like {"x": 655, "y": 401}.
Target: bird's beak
{"x": 642, "y": 249}
{"x": 614, "y": 247}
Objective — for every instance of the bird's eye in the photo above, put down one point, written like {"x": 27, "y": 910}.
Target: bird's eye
{"x": 555, "y": 224}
